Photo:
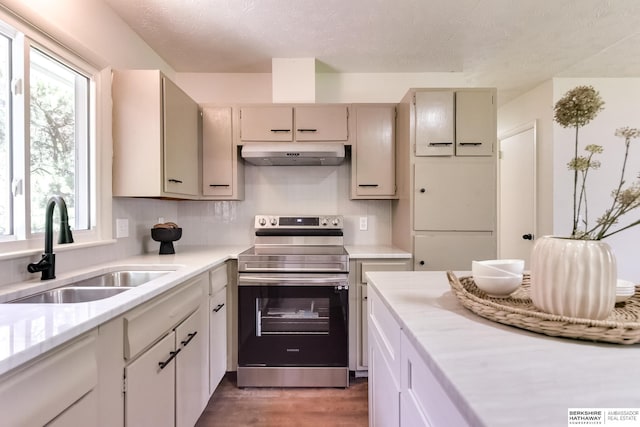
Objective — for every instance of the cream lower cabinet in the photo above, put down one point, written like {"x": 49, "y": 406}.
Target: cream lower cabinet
{"x": 164, "y": 383}
{"x": 150, "y": 392}
{"x": 217, "y": 326}
{"x": 359, "y": 312}
{"x": 165, "y": 346}
{"x": 58, "y": 388}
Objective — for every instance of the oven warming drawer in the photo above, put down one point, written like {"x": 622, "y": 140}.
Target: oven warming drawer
{"x": 292, "y": 377}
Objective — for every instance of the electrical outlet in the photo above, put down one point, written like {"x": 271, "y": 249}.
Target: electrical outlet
{"x": 122, "y": 228}
{"x": 363, "y": 223}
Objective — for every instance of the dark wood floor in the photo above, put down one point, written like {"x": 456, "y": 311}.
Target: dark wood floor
{"x": 286, "y": 407}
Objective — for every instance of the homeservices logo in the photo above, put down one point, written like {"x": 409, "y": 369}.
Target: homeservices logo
{"x": 627, "y": 417}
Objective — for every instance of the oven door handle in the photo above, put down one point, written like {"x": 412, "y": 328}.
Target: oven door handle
{"x": 254, "y": 279}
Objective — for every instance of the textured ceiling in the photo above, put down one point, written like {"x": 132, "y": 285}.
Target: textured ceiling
{"x": 509, "y": 44}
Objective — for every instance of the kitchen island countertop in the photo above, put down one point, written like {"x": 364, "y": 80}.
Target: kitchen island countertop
{"x": 499, "y": 375}
{"x": 29, "y": 330}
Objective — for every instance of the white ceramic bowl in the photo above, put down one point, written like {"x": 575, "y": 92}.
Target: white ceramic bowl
{"x": 497, "y": 267}
{"x": 480, "y": 268}
{"x": 624, "y": 290}
{"x": 499, "y": 287}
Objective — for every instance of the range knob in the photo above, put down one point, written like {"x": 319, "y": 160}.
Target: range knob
{"x": 274, "y": 221}
{"x": 335, "y": 222}
{"x": 324, "y": 221}
{"x": 262, "y": 221}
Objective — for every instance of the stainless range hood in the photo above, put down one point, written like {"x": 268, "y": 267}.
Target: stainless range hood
{"x": 293, "y": 154}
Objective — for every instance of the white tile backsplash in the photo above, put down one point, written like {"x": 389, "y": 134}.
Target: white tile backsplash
{"x": 280, "y": 190}
{"x": 268, "y": 190}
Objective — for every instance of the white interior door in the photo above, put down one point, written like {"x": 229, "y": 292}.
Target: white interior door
{"x": 517, "y": 193}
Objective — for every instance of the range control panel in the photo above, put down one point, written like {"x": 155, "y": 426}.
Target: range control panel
{"x": 300, "y": 221}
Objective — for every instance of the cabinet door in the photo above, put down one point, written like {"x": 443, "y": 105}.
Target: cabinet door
{"x": 322, "y": 123}
{"x": 452, "y": 250}
{"x": 266, "y": 123}
{"x": 476, "y": 128}
{"x": 190, "y": 370}
{"x": 455, "y": 194}
{"x": 82, "y": 413}
{"x": 217, "y": 338}
{"x": 384, "y": 365}
{"x": 217, "y": 152}
{"x": 424, "y": 401}
{"x": 180, "y": 141}
{"x": 435, "y": 123}
{"x": 150, "y": 393}
{"x": 375, "y": 151}
{"x": 363, "y": 348}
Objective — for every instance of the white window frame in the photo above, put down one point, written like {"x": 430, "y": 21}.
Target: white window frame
{"x": 22, "y": 243}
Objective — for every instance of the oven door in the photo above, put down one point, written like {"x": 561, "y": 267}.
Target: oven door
{"x": 293, "y": 320}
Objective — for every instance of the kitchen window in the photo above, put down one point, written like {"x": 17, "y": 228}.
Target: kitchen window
{"x": 48, "y": 101}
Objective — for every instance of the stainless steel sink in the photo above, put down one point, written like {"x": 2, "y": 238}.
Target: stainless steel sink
{"x": 127, "y": 278}
{"x": 71, "y": 295}
{"x": 94, "y": 288}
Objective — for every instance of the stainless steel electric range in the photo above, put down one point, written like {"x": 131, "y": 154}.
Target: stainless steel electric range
{"x": 293, "y": 304}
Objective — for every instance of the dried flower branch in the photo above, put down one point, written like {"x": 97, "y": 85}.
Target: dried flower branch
{"x": 575, "y": 109}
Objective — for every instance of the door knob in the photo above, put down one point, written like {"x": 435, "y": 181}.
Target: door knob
{"x": 527, "y": 236}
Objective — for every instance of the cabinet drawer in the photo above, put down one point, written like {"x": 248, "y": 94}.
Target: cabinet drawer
{"x": 218, "y": 279}
{"x": 366, "y": 266}
{"x": 385, "y": 330}
{"x": 266, "y": 124}
{"x": 144, "y": 325}
{"x": 324, "y": 123}
{"x": 36, "y": 394}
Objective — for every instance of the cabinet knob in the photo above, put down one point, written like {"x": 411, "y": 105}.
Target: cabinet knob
{"x": 422, "y": 190}
{"x": 421, "y": 263}
{"x": 528, "y": 236}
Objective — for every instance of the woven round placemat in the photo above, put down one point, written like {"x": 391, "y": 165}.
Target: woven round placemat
{"x": 621, "y": 327}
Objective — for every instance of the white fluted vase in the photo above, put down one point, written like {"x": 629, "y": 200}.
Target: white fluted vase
{"x": 575, "y": 278}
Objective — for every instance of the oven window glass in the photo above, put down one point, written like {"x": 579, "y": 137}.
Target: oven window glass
{"x": 292, "y": 316}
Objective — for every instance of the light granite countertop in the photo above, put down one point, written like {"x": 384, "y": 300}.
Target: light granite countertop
{"x": 29, "y": 330}
{"x": 499, "y": 375}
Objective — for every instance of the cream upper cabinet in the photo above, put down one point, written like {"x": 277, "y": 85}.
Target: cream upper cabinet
{"x": 222, "y": 168}
{"x": 476, "y": 123}
{"x": 266, "y": 123}
{"x": 445, "y": 213}
{"x": 155, "y": 137}
{"x": 373, "y": 173}
{"x": 460, "y": 122}
{"x": 322, "y": 123}
{"x": 435, "y": 123}
{"x": 270, "y": 123}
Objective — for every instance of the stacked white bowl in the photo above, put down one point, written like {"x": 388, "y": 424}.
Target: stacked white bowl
{"x": 624, "y": 290}
{"x": 499, "y": 278}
